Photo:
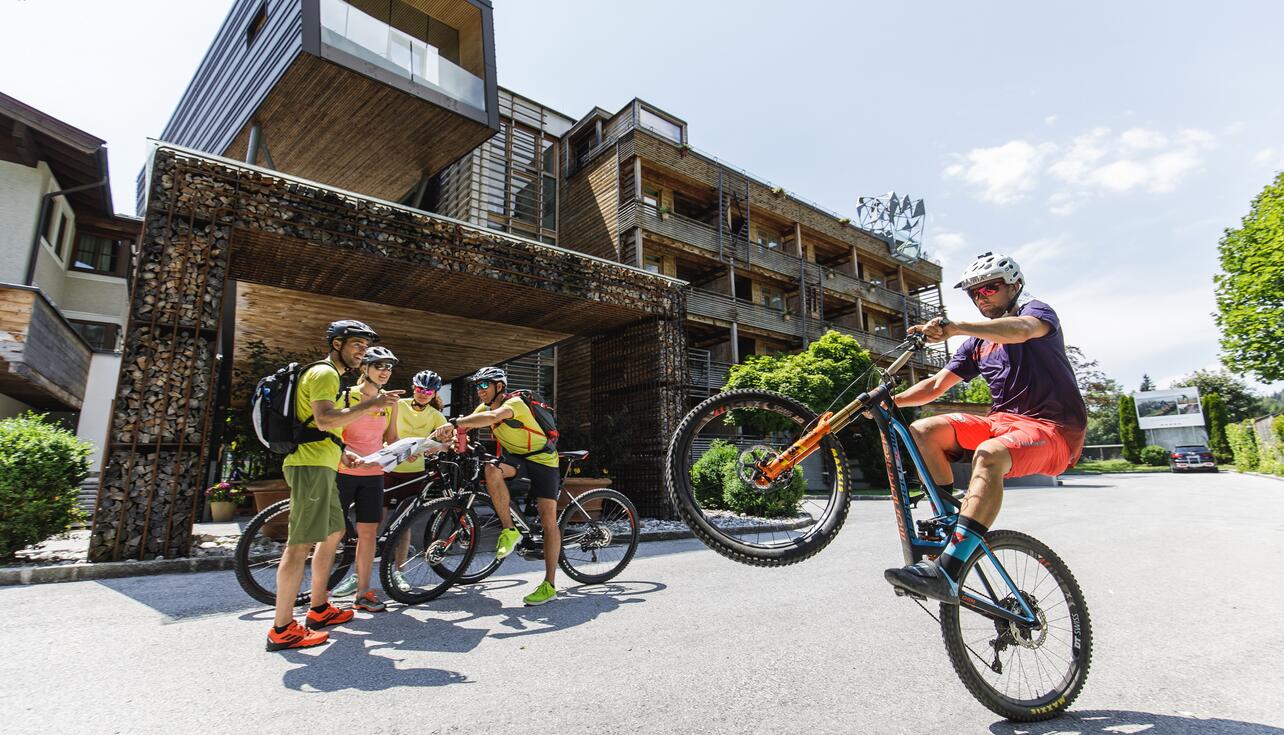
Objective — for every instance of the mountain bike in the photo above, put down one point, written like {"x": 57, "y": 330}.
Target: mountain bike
{"x": 408, "y": 534}
{"x": 599, "y": 527}
{"x": 1020, "y": 638}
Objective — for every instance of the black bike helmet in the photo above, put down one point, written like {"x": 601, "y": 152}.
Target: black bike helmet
{"x": 427, "y": 380}
{"x": 493, "y": 374}
{"x": 378, "y": 354}
{"x": 345, "y": 328}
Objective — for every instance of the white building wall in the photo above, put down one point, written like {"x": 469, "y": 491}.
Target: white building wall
{"x": 94, "y": 297}
{"x": 20, "y": 190}
{"x": 95, "y": 414}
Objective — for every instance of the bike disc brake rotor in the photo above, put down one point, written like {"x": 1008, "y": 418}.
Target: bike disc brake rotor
{"x": 749, "y": 467}
{"x": 1022, "y": 635}
{"x": 597, "y": 537}
{"x": 436, "y": 552}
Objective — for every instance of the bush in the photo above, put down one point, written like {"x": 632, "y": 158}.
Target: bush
{"x": 739, "y": 496}
{"x": 1154, "y": 455}
{"x": 1243, "y": 444}
{"x": 706, "y": 474}
{"x": 41, "y": 465}
{"x": 1130, "y": 434}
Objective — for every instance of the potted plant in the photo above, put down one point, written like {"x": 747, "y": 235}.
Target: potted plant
{"x": 844, "y": 220}
{"x": 663, "y": 211}
{"x": 778, "y": 191}
{"x": 684, "y": 149}
{"x": 222, "y": 499}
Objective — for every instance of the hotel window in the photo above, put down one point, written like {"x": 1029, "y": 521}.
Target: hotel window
{"x": 768, "y": 238}
{"x": 771, "y": 297}
{"x": 97, "y": 254}
{"x": 101, "y": 336}
{"x": 55, "y": 241}
{"x": 661, "y": 126}
{"x": 653, "y": 263}
{"x": 651, "y": 196}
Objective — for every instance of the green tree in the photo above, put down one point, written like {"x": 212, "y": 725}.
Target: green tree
{"x": 1146, "y": 383}
{"x": 815, "y": 377}
{"x": 977, "y": 390}
{"x": 1250, "y": 288}
{"x": 1243, "y": 443}
{"x": 1100, "y": 396}
{"x": 1214, "y": 409}
{"x": 1241, "y": 403}
{"x": 1130, "y": 434}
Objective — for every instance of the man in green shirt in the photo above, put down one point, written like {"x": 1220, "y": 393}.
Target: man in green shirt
{"x": 526, "y": 454}
{"x": 311, "y": 471}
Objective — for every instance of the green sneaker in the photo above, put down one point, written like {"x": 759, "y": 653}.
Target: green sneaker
{"x": 542, "y": 594}
{"x": 508, "y": 539}
{"x": 346, "y": 587}
{"x": 399, "y": 579}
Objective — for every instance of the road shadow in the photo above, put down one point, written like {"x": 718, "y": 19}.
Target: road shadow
{"x": 185, "y": 596}
{"x": 573, "y": 606}
{"x": 1114, "y": 722}
{"x": 353, "y": 660}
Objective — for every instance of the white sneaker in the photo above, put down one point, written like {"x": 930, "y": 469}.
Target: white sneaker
{"x": 399, "y": 579}
{"x": 346, "y": 587}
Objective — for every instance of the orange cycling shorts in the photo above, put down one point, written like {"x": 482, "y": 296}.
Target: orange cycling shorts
{"x": 1037, "y": 447}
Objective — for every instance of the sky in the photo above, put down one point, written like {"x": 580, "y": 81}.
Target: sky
{"x": 1105, "y": 146}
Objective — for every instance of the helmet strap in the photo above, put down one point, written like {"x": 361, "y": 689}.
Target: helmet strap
{"x": 1012, "y": 304}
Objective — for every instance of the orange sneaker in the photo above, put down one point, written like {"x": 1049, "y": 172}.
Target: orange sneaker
{"x": 369, "y": 602}
{"x": 331, "y": 615}
{"x": 294, "y": 636}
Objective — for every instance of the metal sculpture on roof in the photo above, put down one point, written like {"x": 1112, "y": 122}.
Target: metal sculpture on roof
{"x": 896, "y": 219}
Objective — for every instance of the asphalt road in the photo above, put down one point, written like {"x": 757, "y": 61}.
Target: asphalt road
{"x": 1182, "y": 577}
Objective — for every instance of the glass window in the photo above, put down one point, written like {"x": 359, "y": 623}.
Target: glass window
{"x": 524, "y": 199}
{"x": 771, "y": 297}
{"x": 768, "y": 238}
{"x": 661, "y": 126}
{"x": 653, "y": 263}
{"x": 549, "y": 202}
{"x": 650, "y": 195}
{"x": 95, "y": 253}
{"x": 549, "y": 156}
{"x": 99, "y": 335}
{"x": 58, "y": 236}
{"x": 523, "y": 148}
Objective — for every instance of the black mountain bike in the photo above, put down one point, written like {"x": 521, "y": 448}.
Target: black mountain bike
{"x": 1020, "y": 637}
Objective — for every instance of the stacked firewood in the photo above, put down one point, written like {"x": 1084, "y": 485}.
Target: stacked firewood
{"x": 155, "y": 521}
{"x": 181, "y": 274}
{"x": 164, "y": 387}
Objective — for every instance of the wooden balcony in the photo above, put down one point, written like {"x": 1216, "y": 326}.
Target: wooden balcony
{"x": 43, "y": 362}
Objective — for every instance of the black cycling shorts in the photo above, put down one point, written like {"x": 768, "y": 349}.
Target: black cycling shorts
{"x": 546, "y": 482}
{"x": 364, "y": 491}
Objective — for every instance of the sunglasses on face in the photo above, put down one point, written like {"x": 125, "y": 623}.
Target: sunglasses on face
{"x": 424, "y": 391}
{"x": 381, "y": 366}
{"x": 986, "y": 289}
{"x": 481, "y": 384}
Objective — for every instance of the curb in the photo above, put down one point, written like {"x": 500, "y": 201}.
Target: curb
{"x": 1277, "y": 478}
{"x": 110, "y": 570}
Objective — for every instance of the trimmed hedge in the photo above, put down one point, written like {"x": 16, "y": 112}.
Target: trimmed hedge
{"x": 41, "y": 465}
{"x": 1243, "y": 444}
{"x": 716, "y": 482}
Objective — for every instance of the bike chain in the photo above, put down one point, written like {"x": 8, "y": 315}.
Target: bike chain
{"x": 932, "y": 615}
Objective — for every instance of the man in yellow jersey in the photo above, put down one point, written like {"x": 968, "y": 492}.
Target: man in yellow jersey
{"x": 311, "y": 471}
{"x": 525, "y": 454}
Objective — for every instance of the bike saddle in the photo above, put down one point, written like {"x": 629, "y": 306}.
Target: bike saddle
{"x": 576, "y": 456}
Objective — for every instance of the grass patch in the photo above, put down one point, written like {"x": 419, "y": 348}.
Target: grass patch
{"x": 1101, "y": 466}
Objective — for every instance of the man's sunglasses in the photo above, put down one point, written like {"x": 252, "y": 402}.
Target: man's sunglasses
{"x": 985, "y": 289}
{"x": 380, "y": 366}
{"x": 481, "y": 385}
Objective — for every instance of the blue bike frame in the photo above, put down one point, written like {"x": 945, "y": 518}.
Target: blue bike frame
{"x": 894, "y": 435}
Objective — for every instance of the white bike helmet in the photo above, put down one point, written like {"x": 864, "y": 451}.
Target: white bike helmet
{"x": 988, "y": 267}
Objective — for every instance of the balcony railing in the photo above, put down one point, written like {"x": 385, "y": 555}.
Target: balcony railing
{"x": 348, "y": 29}
{"x": 43, "y": 361}
{"x": 724, "y": 308}
{"x": 705, "y": 376}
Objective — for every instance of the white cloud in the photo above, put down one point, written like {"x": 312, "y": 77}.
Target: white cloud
{"x": 1004, "y": 173}
{"x": 1272, "y": 158}
{"x": 1050, "y": 120}
{"x": 946, "y": 244}
{"x": 1093, "y": 163}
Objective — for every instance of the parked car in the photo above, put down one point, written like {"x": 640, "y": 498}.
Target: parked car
{"x": 1191, "y": 457}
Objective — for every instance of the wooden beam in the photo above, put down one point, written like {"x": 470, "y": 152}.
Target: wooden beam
{"x": 25, "y": 144}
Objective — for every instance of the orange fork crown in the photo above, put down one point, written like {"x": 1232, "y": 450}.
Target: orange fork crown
{"x": 796, "y": 453}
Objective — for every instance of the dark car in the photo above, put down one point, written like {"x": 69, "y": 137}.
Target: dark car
{"x": 1189, "y": 457}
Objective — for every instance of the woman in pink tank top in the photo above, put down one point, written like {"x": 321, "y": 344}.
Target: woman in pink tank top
{"x": 362, "y": 487}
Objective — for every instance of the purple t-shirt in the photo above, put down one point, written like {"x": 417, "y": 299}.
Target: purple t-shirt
{"x": 1033, "y": 378}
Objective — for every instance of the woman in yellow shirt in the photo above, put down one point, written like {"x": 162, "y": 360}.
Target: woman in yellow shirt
{"x": 417, "y": 416}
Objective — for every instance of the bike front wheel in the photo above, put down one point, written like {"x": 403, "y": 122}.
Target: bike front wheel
{"x": 259, "y": 550}
{"x": 712, "y": 457}
{"x": 411, "y": 564}
{"x": 599, "y": 532}
{"x": 1016, "y": 671}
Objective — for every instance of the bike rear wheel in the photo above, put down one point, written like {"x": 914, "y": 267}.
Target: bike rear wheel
{"x": 1040, "y": 672}
{"x": 258, "y": 555}
{"x": 483, "y": 540}
{"x": 719, "y": 442}
{"x": 430, "y": 534}
{"x": 599, "y": 536}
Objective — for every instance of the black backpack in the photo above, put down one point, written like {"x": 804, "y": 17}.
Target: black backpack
{"x": 543, "y": 414}
{"x": 273, "y": 415}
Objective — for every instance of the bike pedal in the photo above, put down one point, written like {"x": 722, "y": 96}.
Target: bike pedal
{"x": 906, "y": 593}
